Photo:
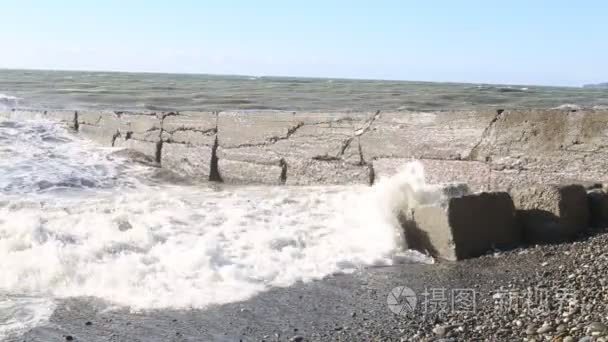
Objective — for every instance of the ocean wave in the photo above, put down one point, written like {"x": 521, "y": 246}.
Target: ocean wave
{"x": 147, "y": 245}
{"x": 8, "y": 101}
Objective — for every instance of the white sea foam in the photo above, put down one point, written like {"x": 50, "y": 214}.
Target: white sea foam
{"x": 8, "y": 101}
{"x": 181, "y": 247}
{"x": 568, "y": 106}
{"x": 143, "y": 245}
{"x": 19, "y": 314}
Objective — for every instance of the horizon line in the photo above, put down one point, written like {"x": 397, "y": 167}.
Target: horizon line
{"x": 295, "y": 76}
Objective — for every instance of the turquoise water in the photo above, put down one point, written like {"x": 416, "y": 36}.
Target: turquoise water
{"x": 144, "y": 91}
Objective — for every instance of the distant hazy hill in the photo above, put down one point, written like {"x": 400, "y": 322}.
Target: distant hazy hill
{"x": 599, "y": 85}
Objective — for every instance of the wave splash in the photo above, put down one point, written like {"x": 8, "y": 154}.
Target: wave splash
{"x": 8, "y": 101}
{"x": 151, "y": 246}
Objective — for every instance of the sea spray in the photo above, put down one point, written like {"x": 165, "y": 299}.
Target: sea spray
{"x": 398, "y": 195}
{"x": 119, "y": 237}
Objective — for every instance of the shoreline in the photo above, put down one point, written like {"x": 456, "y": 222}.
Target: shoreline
{"x": 354, "y": 306}
{"x": 550, "y": 145}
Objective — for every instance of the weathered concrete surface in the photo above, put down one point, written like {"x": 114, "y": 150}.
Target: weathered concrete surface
{"x": 101, "y": 127}
{"x": 598, "y": 207}
{"x": 528, "y": 146}
{"x": 289, "y": 148}
{"x": 493, "y": 150}
{"x": 476, "y": 174}
{"x": 551, "y": 213}
{"x": 188, "y": 142}
{"x": 467, "y": 226}
{"x": 440, "y": 135}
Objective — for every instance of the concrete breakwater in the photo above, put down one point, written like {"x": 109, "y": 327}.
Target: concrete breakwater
{"x": 525, "y": 153}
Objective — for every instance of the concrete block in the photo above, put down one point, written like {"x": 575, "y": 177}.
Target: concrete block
{"x": 149, "y": 149}
{"x": 195, "y": 121}
{"x": 243, "y": 172}
{"x": 426, "y": 135}
{"x": 139, "y": 123}
{"x": 65, "y": 116}
{"x": 187, "y": 160}
{"x": 315, "y": 172}
{"x": 598, "y": 208}
{"x": 103, "y": 135}
{"x": 551, "y": 213}
{"x": 465, "y": 226}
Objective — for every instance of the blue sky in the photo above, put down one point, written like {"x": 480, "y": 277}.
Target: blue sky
{"x": 523, "y": 42}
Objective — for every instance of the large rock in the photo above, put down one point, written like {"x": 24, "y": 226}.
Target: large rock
{"x": 551, "y": 213}
{"x": 464, "y": 226}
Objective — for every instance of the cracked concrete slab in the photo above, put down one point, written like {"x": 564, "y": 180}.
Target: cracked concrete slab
{"x": 99, "y": 126}
{"x": 188, "y": 139}
{"x": 149, "y": 149}
{"x": 190, "y": 127}
{"x": 437, "y": 135}
{"x": 267, "y": 127}
{"x": 145, "y": 127}
{"x": 264, "y": 146}
{"x": 187, "y": 160}
{"x": 509, "y": 147}
{"x": 528, "y": 146}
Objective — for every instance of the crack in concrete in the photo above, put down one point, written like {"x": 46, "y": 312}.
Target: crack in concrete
{"x": 283, "y": 177}
{"x": 358, "y": 133}
{"x": 269, "y": 141}
{"x": 129, "y": 136}
{"x": 361, "y": 158}
{"x": 171, "y": 141}
{"x": 372, "y": 173}
{"x": 326, "y": 158}
{"x": 347, "y": 142}
{"x": 214, "y": 172}
{"x": 210, "y": 131}
{"x": 475, "y": 149}
{"x": 159, "y": 152}
{"x": 76, "y": 123}
{"x": 114, "y": 137}
{"x": 290, "y": 131}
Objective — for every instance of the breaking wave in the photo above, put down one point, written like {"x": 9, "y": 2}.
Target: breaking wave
{"x": 98, "y": 227}
{"x": 7, "y": 101}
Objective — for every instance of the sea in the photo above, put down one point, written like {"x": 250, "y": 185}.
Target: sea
{"x": 180, "y": 92}
{"x": 78, "y": 220}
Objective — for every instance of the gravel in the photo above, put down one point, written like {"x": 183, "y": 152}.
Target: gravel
{"x": 539, "y": 293}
